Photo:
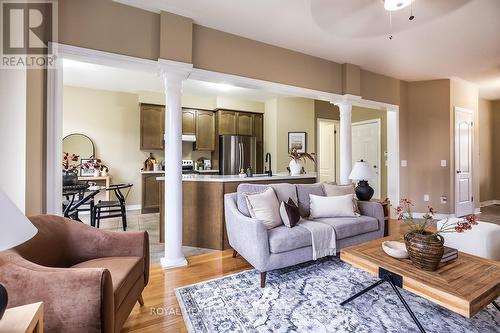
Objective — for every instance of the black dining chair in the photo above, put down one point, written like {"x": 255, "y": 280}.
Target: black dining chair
{"x": 113, "y": 208}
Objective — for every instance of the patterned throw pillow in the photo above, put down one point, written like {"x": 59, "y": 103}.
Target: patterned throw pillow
{"x": 289, "y": 213}
{"x": 332, "y": 190}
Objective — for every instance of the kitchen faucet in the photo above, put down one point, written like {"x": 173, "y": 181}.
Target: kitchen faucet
{"x": 269, "y": 172}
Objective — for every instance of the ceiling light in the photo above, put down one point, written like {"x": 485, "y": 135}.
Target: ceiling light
{"x": 221, "y": 86}
{"x": 392, "y": 5}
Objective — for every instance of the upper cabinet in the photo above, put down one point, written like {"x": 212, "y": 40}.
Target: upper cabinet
{"x": 227, "y": 122}
{"x": 205, "y": 131}
{"x": 245, "y": 123}
{"x": 189, "y": 122}
{"x": 258, "y": 126}
{"x": 152, "y": 127}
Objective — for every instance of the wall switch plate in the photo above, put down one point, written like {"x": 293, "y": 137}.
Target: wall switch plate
{"x": 404, "y": 163}
{"x": 426, "y": 197}
{"x": 443, "y": 163}
{"x": 444, "y": 199}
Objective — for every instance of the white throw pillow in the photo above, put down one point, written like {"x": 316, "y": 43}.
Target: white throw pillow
{"x": 264, "y": 207}
{"x": 339, "y": 206}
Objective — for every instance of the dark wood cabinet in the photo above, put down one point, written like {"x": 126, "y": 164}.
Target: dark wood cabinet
{"x": 152, "y": 123}
{"x": 227, "y": 124}
{"x": 245, "y": 123}
{"x": 150, "y": 193}
{"x": 205, "y": 131}
{"x": 258, "y": 132}
{"x": 189, "y": 122}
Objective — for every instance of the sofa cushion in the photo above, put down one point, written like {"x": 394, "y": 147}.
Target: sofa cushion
{"x": 264, "y": 207}
{"x": 339, "y": 206}
{"x": 283, "y": 239}
{"x": 303, "y": 191}
{"x": 333, "y": 190}
{"x": 125, "y": 271}
{"x": 346, "y": 227}
{"x": 283, "y": 191}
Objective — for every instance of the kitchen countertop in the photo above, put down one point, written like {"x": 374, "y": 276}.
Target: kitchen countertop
{"x": 162, "y": 172}
{"x": 236, "y": 178}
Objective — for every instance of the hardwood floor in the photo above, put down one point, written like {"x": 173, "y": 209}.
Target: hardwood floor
{"x": 161, "y": 312}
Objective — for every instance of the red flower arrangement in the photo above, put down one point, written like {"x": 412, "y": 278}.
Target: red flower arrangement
{"x": 404, "y": 213}
{"x": 68, "y": 162}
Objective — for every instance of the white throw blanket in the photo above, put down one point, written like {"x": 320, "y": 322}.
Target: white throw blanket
{"x": 323, "y": 238}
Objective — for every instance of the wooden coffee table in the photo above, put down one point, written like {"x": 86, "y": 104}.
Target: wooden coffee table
{"x": 464, "y": 286}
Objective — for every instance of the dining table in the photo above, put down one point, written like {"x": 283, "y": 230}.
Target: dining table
{"x": 78, "y": 195}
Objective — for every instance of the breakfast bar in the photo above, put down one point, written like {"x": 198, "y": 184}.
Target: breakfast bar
{"x": 203, "y": 205}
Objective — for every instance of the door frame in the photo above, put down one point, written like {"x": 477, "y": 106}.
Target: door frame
{"x": 337, "y": 146}
{"x": 471, "y": 157}
{"x": 377, "y": 121}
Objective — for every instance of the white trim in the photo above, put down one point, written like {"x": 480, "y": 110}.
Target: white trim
{"x": 393, "y": 165}
{"x": 377, "y": 121}
{"x": 489, "y": 203}
{"x": 318, "y": 146}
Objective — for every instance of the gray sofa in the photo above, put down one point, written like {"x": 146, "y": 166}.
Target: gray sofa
{"x": 280, "y": 247}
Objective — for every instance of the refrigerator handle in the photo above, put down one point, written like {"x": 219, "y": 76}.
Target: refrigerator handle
{"x": 240, "y": 157}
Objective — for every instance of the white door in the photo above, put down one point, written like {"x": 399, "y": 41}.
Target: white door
{"x": 326, "y": 157}
{"x": 464, "y": 201}
{"x": 366, "y": 146}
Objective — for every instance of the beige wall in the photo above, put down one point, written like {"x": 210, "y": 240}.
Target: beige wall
{"x": 428, "y": 128}
{"x": 288, "y": 114}
{"x": 362, "y": 114}
{"x": 496, "y": 145}
{"x": 111, "y": 119}
{"x": 176, "y": 37}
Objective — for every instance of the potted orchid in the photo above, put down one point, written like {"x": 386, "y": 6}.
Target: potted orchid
{"x": 296, "y": 161}
{"x": 70, "y": 165}
{"x": 425, "y": 248}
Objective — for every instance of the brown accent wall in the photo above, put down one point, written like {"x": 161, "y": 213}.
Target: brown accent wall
{"x": 109, "y": 26}
{"x": 227, "y": 53}
{"x": 486, "y": 151}
{"x": 381, "y": 88}
{"x": 176, "y": 37}
{"x": 35, "y": 141}
{"x": 404, "y": 174}
{"x": 351, "y": 79}
{"x": 496, "y": 147}
{"x": 428, "y": 128}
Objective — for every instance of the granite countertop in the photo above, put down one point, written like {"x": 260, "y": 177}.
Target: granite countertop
{"x": 162, "y": 171}
{"x": 236, "y": 178}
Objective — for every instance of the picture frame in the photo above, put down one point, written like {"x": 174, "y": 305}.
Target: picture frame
{"x": 297, "y": 140}
{"x": 86, "y": 172}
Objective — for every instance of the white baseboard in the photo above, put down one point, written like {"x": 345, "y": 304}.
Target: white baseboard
{"x": 489, "y": 203}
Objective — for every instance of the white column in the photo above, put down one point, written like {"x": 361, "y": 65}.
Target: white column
{"x": 345, "y": 108}
{"x": 173, "y": 169}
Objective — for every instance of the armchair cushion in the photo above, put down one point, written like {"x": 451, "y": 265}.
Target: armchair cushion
{"x": 125, "y": 271}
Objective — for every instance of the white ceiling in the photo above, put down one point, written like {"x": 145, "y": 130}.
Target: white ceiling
{"x": 81, "y": 74}
{"x": 447, "y": 38}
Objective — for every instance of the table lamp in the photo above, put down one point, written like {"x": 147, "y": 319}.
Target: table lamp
{"x": 15, "y": 229}
{"x": 362, "y": 172}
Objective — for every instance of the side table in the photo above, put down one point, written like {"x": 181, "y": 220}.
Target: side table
{"x": 386, "y": 205}
{"x": 23, "y": 319}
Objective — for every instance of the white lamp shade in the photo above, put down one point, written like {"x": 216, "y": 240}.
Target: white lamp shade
{"x": 362, "y": 170}
{"x": 15, "y": 228}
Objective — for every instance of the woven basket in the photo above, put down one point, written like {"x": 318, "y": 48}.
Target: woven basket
{"x": 425, "y": 250}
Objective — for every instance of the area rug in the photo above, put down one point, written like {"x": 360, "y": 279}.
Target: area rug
{"x": 305, "y": 298}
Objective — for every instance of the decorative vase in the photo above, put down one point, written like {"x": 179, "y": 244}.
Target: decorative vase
{"x": 69, "y": 178}
{"x": 104, "y": 173}
{"x": 425, "y": 250}
{"x": 364, "y": 192}
{"x": 97, "y": 173}
{"x": 295, "y": 167}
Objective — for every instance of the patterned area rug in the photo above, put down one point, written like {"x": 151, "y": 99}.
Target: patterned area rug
{"x": 305, "y": 298}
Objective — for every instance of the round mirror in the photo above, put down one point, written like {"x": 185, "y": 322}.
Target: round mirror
{"x": 79, "y": 144}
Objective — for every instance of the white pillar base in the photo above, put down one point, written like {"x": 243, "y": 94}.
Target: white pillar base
{"x": 167, "y": 263}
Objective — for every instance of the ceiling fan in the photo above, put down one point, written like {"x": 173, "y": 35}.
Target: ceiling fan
{"x": 395, "y": 5}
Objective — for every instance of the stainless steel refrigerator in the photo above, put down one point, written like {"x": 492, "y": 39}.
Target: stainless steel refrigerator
{"x": 236, "y": 152}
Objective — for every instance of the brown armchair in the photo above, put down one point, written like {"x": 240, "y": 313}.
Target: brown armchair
{"x": 89, "y": 279}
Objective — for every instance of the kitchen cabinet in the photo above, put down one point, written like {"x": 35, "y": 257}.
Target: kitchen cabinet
{"x": 245, "y": 123}
{"x": 258, "y": 132}
{"x": 205, "y": 131}
{"x": 227, "y": 124}
{"x": 150, "y": 193}
{"x": 152, "y": 122}
{"x": 189, "y": 122}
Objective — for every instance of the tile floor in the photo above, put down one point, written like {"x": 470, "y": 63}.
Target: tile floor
{"x": 150, "y": 223}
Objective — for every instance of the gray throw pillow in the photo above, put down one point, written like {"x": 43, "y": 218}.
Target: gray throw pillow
{"x": 303, "y": 192}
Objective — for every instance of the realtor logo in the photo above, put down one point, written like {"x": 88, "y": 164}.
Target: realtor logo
{"x": 27, "y": 28}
